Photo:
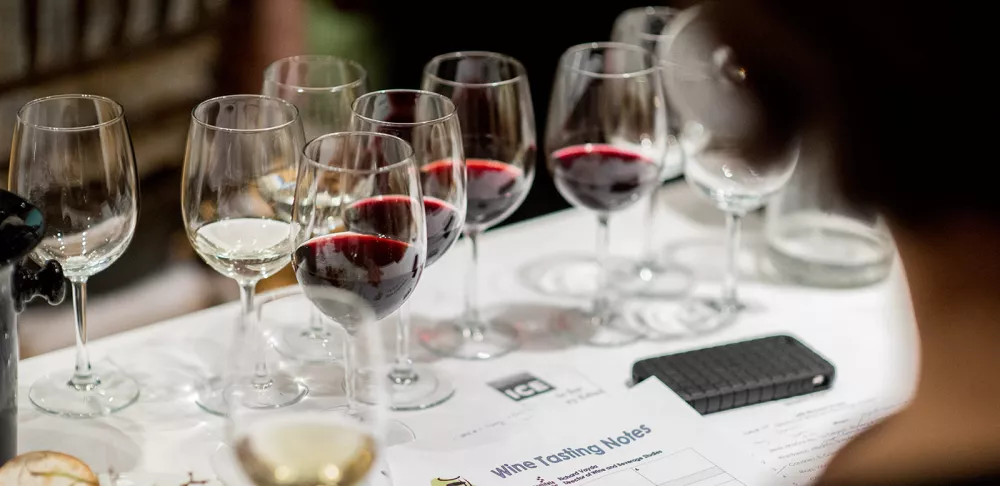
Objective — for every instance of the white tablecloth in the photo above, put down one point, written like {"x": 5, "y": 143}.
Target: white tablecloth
{"x": 867, "y": 333}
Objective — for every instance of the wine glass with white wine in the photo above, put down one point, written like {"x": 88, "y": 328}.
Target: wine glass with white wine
{"x": 233, "y": 144}
{"x": 306, "y": 444}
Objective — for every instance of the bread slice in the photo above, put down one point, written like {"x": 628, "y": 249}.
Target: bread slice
{"x": 46, "y": 468}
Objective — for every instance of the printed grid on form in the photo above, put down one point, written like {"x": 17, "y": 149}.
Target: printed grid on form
{"x": 683, "y": 468}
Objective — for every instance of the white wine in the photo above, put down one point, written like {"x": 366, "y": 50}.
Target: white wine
{"x": 245, "y": 248}
{"x": 305, "y": 450}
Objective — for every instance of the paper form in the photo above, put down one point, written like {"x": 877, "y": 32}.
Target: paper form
{"x": 644, "y": 436}
{"x": 796, "y": 438}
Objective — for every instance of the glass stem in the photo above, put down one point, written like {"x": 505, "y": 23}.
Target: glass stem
{"x": 649, "y": 235}
{"x": 734, "y": 227}
{"x": 250, "y": 334}
{"x": 402, "y": 373}
{"x": 83, "y": 376}
{"x": 350, "y": 385}
{"x": 473, "y": 324}
{"x": 317, "y": 329}
{"x": 602, "y": 299}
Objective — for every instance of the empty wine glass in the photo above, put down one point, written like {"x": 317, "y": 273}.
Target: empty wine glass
{"x": 304, "y": 443}
{"x": 493, "y": 101}
{"x": 606, "y": 136}
{"x": 322, "y": 88}
{"x": 429, "y": 123}
{"x": 708, "y": 86}
{"x": 645, "y": 27}
{"x": 72, "y": 158}
{"x": 234, "y": 143}
{"x": 374, "y": 241}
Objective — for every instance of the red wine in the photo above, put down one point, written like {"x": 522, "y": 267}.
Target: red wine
{"x": 383, "y": 271}
{"x": 390, "y": 216}
{"x": 494, "y": 189}
{"x": 603, "y": 177}
{"x": 443, "y": 227}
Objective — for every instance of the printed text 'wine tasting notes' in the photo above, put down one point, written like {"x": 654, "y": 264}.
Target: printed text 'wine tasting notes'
{"x": 643, "y": 436}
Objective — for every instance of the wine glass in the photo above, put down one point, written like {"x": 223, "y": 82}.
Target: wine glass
{"x": 493, "y": 100}
{"x": 372, "y": 243}
{"x": 305, "y": 444}
{"x": 234, "y": 143}
{"x": 72, "y": 158}
{"x": 322, "y": 88}
{"x": 606, "y": 136}
{"x": 645, "y": 27}
{"x": 708, "y": 87}
{"x": 429, "y": 123}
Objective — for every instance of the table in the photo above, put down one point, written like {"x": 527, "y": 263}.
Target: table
{"x": 867, "y": 333}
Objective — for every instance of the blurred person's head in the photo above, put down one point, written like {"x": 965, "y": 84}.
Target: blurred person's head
{"x": 902, "y": 92}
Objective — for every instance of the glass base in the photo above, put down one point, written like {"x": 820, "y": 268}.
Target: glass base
{"x": 459, "y": 341}
{"x": 615, "y": 330}
{"x": 307, "y": 346}
{"x": 111, "y": 392}
{"x": 280, "y": 391}
{"x": 653, "y": 279}
{"x": 423, "y": 388}
{"x": 395, "y": 433}
{"x": 704, "y": 315}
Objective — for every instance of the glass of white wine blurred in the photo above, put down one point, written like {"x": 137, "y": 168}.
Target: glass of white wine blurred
{"x": 323, "y": 88}
{"x": 72, "y": 158}
{"x": 306, "y": 444}
{"x": 233, "y": 143}
{"x": 710, "y": 90}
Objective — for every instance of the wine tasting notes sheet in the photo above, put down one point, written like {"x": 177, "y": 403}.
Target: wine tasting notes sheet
{"x": 640, "y": 437}
{"x": 797, "y": 437}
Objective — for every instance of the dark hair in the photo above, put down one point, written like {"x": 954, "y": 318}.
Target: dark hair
{"x": 900, "y": 90}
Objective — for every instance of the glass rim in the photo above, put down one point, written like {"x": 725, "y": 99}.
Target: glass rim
{"x": 117, "y": 107}
{"x": 281, "y": 126}
{"x": 654, "y": 66}
{"x": 407, "y": 160}
{"x": 452, "y": 110}
{"x": 359, "y": 69}
{"x": 518, "y": 67}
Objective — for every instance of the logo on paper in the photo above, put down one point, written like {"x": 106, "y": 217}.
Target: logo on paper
{"x": 456, "y": 481}
{"x": 521, "y": 386}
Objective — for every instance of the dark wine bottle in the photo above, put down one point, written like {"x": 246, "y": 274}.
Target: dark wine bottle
{"x": 8, "y": 367}
{"x": 21, "y": 228}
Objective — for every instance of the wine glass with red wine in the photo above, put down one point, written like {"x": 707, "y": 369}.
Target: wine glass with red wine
{"x": 491, "y": 94}
{"x": 427, "y": 121}
{"x": 373, "y": 243}
{"x": 322, "y": 88}
{"x": 606, "y": 136}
